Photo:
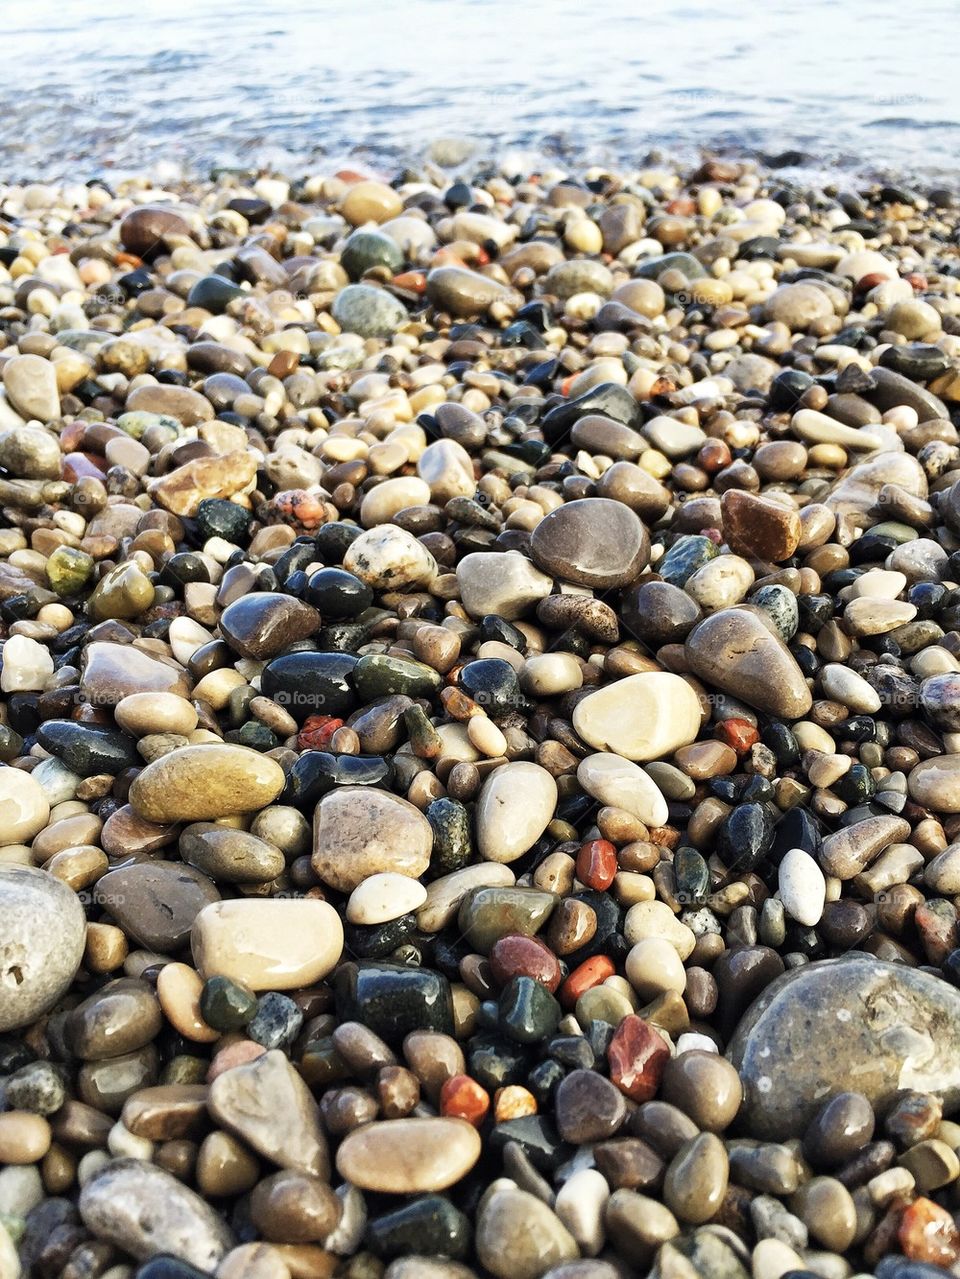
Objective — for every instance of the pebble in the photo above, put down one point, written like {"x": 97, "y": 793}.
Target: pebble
{"x": 203, "y": 783}
{"x": 267, "y": 944}
{"x": 802, "y": 887}
{"x": 43, "y": 942}
{"x": 409, "y": 1156}
{"x": 143, "y": 1210}
{"x": 642, "y": 717}
{"x": 507, "y": 585}
{"x": 513, "y": 809}
{"x": 735, "y": 651}
{"x": 904, "y": 1042}
{"x": 24, "y": 807}
{"x": 266, "y": 1104}
{"x": 615, "y": 781}
{"x": 360, "y": 831}
{"x": 593, "y": 542}
{"x": 518, "y": 1236}
{"x": 383, "y": 896}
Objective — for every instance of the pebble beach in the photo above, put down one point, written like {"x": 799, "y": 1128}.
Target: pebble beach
{"x": 480, "y": 725}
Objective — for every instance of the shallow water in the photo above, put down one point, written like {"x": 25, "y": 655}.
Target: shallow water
{"x": 88, "y": 88}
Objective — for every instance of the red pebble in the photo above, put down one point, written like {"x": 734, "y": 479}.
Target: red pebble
{"x": 928, "y": 1233}
{"x": 637, "y": 1057}
{"x": 738, "y": 733}
{"x": 317, "y": 731}
{"x": 714, "y": 535}
{"x": 917, "y": 282}
{"x": 590, "y": 973}
{"x": 517, "y": 956}
{"x": 597, "y": 864}
{"x": 462, "y": 1098}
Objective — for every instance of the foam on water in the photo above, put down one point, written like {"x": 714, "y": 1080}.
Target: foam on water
{"x": 87, "y": 88}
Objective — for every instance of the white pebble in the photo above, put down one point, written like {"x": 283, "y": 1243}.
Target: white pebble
{"x": 383, "y": 897}
{"x": 27, "y": 666}
{"x": 802, "y": 887}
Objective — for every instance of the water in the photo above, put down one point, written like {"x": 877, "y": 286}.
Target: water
{"x": 179, "y": 86}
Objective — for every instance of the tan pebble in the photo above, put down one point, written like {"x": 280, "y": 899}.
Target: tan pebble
{"x": 143, "y": 713}
{"x": 275, "y": 944}
{"x": 409, "y": 1156}
{"x": 24, "y": 1137}
{"x": 486, "y": 736}
{"x": 253, "y": 1261}
{"x": 79, "y": 867}
{"x": 225, "y": 1166}
{"x": 178, "y": 989}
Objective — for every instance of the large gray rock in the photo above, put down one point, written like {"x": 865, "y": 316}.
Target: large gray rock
{"x": 145, "y": 1211}
{"x": 41, "y": 942}
{"x": 841, "y": 1024}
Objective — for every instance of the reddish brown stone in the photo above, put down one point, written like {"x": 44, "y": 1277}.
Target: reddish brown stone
{"x": 597, "y": 864}
{"x": 738, "y": 733}
{"x": 637, "y": 1056}
{"x": 463, "y": 1098}
{"x": 759, "y": 526}
{"x": 519, "y": 956}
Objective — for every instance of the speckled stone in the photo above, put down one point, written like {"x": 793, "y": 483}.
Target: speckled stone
{"x": 44, "y": 930}
{"x": 143, "y": 1210}
{"x": 834, "y": 1022}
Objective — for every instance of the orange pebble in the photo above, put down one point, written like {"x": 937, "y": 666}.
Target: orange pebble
{"x": 592, "y": 972}
{"x": 740, "y": 734}
{"x": 463, "y": 1098}
{"x": 412, "y": 281}
{"x": 513, "y": 1102}
{"x": 928, "y": 1233}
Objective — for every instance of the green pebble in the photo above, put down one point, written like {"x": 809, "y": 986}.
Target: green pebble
{"x": 225, "y": 1004}
{"x": 69, "y": 570}
{"x": 379, "y": 675}
{"x": 185, "y": 1070}
{"x": 488, "y": 914}
{"x": 257, "y": 736}
{"x": 528, "y": 1012}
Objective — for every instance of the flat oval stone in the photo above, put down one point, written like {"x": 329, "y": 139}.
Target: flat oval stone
{"x": 111, "y": 672}
{"x": 504, "y": 583}
{"x": 592, "y": 542}
{"x": 235, "y": 856}
{"x": 88, "y": 749}
{"x": 736, "y": 652}
{"x": 262, "y": 624}
{"x": 641, "y": 717}
{"x": 409, "y": 1156}
{"x": 44, "y": 930}
{"x": 277, "y": 943}
{"x": 359, "y": 831}
{"x": 202, "y": 783}
{"x": 615, "y": 781}
{"x": 156, "y": 901}
{"x": 935, "y": 783}
{"x": 516, "y": 804}
{"x": 384, "y": 896}
{"x": 143, "y": 1210}
{"x": 836, "y": 1023}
